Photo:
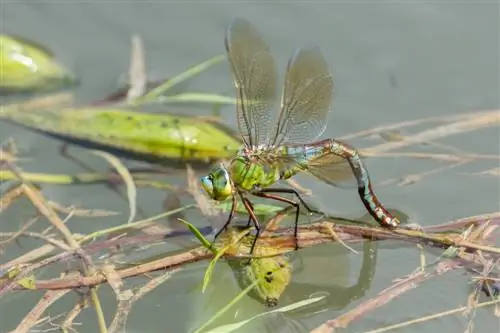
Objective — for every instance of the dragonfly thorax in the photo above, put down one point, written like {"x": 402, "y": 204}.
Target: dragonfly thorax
{"x": 248, "y": 173}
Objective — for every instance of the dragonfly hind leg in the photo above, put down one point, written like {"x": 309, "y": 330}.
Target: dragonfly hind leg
{"x": 265, "y": 193}
{"x": 288, "y": 201}
{"x": 290, "y": 191}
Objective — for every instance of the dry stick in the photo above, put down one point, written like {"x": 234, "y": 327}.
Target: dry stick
{"x": 482, "y": 121}
{"x": 36, "y": 235}
{"x": 82, "y": 212}
{"x": 77, "y": 308}
{"x": 29, "y": 257}
{"x": 194, "y": 255}
{"x": 477, "y": 121}
{"x": 367, "y": 152}
{"x": 465, "y": 222}
{"x": 9, "y": 197}
{"x": 34, "y": 315}
{"x": 284, "y": 241}
{"x": 12, "y": 236}
{"x": 413, "y": 178}
{"x": 433, "y": 316}
{"x": 385, "y": 297}
{"x": 40, "y": 203}
{"x": 309, "y": 235}
{"x": 137, "y": 70}
{"x": 125, "y": 304}
{"x": 409, "y": 123}
{"x": 398, "y": 289}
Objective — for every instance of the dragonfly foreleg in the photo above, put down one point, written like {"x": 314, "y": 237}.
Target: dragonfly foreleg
{"x": 229, "y": 218}
{"x": 249, "y": 207}
{"x": 249, "y": 217}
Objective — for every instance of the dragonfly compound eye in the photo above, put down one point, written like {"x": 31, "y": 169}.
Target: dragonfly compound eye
{"x": 221, "y": 184}
{"x": 207, "y": 184}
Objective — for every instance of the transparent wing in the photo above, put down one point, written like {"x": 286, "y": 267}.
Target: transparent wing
{"x": 254, "y": 75}
{"x": 306, "y": 100}
{"x": 333, "y": 170}
{"x": 330, "y": 168}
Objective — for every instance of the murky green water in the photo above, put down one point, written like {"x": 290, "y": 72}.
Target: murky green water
{"x": 391, "y": 63}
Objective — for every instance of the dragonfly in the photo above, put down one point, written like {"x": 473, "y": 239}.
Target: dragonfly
{"x": 278, "y": 149}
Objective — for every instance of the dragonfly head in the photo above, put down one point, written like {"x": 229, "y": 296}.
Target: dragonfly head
{"x": 218, "y": 184}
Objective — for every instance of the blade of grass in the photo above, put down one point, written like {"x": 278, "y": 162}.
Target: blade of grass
{"x": 193, "y": 71}
{"x": 197, "y": 98}
{"x": 236, "y": 326}
{"x": 136, "y": 224}
{"x": 199, "y": 235}
{"x": 218, "y": 254}
{"x": 127, "y": 179}
{"x": 228, "y": 306}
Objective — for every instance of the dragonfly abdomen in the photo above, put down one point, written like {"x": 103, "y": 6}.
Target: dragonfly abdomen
{"x": 366, "y": 193}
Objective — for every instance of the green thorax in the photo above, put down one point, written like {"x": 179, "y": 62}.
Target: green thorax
{"x": 249, "y": 174}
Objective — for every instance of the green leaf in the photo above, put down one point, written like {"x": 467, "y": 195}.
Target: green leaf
{"x": 26, "y": 65}
{"x": 127, "y": 179}
{"x": 199, "y": 235}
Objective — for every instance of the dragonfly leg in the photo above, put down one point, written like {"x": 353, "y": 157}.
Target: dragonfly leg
{"x": 249, "y": 207}
{"x": 291, "y": 191}
{"x": 250, "y": 217}
{"x": 288, "y": 201}
{"x": 229, "y": 218}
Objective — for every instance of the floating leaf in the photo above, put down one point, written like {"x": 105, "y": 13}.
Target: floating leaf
{"x": 133, "y": 134}
{"x": 24, "y": 65}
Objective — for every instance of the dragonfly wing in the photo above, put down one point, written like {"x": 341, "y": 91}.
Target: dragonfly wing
{"x": 333, "y": 170}
{"x": 330, "y": 168}
{"x": 306, "y": 100}
{"x": 254, "y": 74}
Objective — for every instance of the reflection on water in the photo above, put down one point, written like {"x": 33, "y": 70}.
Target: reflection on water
{"x": 323, "y": 272}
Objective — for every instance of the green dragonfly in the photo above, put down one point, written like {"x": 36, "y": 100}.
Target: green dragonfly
{"x": 277, "y": 150}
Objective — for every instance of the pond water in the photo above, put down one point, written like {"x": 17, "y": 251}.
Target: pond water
{"x": 391, "y": 63}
